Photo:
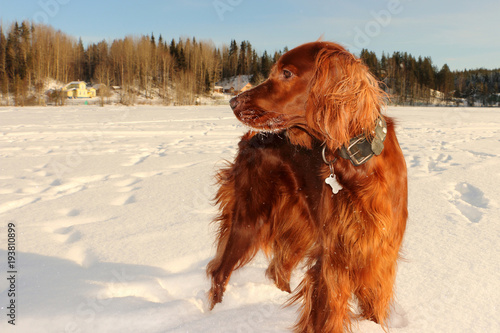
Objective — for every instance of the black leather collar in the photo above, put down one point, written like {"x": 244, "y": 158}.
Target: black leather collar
{"x": 361, "y": 148}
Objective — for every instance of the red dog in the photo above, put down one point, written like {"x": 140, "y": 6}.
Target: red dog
{"x": 320, "y": 179}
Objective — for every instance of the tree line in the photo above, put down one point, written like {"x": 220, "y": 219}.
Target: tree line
{"x": 416, "y": 81}
{"x": 179, "y": 71}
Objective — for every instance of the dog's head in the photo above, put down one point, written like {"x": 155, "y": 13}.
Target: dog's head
{"x": 318, "y": 89}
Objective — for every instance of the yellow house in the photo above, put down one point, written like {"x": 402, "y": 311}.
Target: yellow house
{"x": 78, "y": 89}
{"x": 92, "y": 92}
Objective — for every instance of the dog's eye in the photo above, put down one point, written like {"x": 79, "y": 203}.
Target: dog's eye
{"x": 287, "y": 74}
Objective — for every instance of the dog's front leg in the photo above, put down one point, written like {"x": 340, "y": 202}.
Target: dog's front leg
{"x": 236, "y": 247}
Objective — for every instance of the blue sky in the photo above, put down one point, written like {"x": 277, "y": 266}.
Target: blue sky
{"x": 461, "y": 33}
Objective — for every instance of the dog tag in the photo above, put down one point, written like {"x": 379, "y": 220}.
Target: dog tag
{"x": 380, "y": 134}
{"x": 334, "y": 184}
{"x": 377, "y": 145}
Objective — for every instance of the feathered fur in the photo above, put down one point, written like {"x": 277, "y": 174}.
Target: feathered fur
{"x": 273, "y": 196}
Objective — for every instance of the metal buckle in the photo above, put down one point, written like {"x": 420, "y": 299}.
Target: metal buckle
{"x": 361, "y": 149}
{"x": 352, "y": 155}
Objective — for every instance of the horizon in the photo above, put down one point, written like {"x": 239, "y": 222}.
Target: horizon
{"x": 452, "y": 33}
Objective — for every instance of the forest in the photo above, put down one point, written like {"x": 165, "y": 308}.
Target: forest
{"x": 179, "y": 71}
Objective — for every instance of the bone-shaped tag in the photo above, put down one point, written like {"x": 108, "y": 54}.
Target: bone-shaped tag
{"x": 332, "y": 181}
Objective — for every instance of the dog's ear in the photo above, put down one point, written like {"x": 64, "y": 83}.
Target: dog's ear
{"x": 345, "y": 99}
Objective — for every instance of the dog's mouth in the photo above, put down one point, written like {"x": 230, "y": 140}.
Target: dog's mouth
{"x": 263, "y": 120}
{"x": 259, "y": 119}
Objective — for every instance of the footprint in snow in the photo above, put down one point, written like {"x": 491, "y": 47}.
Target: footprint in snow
{"x": 123, "y": 200}
{"x": 438, "y": 163}
{"x": 398, "y": 317}
{"x": 469, "y": 200}
{"x": 67, "y": 235}
{"x": 137, "y": 159}
{"x": 65, "y": 231}
{"x": 414, "y": 161}
{"x": 127, "y": 184}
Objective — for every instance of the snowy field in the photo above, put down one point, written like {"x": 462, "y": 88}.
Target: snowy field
{"x": 112, "y": 212}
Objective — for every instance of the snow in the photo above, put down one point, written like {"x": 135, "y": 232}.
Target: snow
{"x": 112, "y": 213}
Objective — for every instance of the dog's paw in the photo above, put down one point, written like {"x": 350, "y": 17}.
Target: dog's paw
{"x": 215, "y": 296}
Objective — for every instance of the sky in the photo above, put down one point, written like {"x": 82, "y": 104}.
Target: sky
{"x": 461, "y": 33}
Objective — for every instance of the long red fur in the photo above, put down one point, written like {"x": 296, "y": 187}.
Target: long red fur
{"x": 273, "y": 196}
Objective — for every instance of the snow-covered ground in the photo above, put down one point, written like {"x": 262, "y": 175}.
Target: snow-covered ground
{"x": 112, "y": 212}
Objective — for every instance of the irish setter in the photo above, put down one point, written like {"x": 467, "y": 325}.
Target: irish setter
{"x": 320, "y": 180}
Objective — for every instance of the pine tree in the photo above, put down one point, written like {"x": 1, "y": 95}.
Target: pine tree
{"x": 232, "y": 59}
{"x": 445, "y": 82}
{"x": 241, "y": 68}
{"x": 266, "y": 64}
{"x": 249, "y": 58}
{"x": 173, "y": 48}
{"x": 256, "y": 72}
{"x": 181, "y": 61}
{"x": 4, "y": 79}
{"x": 79, "y": 61}
{"x": 160, "y": 40}
{"x": 208, "y": 83}
{"x": 370, "y": 60}
{"x": 11, "y": 51}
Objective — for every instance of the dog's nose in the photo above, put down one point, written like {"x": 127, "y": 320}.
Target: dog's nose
{"x": 233, "y": 102}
